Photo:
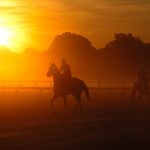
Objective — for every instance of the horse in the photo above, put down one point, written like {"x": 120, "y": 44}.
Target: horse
{"x": 63, "y": 87}
{"x": 140, "y": 90}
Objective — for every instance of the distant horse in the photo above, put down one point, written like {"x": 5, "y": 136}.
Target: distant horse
{"x": 62, "y": 87}
{"x": 140, "y": 90}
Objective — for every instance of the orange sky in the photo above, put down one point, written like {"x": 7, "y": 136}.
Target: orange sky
{"x": 35, "y": 23}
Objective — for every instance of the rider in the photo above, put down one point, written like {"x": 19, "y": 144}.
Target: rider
{"x": 65, "y": 69}
{"x": 143, "y": 74}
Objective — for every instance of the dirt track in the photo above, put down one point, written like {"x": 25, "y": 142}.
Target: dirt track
{"x": 106, "y": 123}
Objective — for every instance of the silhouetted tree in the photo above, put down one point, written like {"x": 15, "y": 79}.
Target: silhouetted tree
{"x": 126, "y": 53}
{"x": 122, "y": 56}
{"x": 77, "y": 49}
{"x": 71, "y": 44}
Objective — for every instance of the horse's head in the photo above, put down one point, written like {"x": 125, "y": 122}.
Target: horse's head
{"x": 53, "y": 70}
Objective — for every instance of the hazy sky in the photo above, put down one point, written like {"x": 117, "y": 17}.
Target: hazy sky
{"x": 37, "y": 22}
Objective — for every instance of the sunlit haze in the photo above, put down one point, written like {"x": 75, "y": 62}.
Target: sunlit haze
{"x": 35, "y": 23}
{"x": 74, "y": 74}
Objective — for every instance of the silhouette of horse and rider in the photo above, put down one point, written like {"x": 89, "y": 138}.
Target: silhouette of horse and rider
{"x": 65, "y": 84}
{"x": 140, "y": 88}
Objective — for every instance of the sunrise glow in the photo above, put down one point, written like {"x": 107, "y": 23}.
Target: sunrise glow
{"x": 12, "y": 34}
{"x": 4, "y": 37}
{"x": 11, "y": 38}
{"x": 34, "y": 24}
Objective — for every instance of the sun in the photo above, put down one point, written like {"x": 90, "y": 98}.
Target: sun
{"x": 5, "y": 37}
{"x": 12, "y": 37}
{"x": 12, "y": 34}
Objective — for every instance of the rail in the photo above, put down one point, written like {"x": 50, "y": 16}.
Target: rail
{"x": 46, "y": 85}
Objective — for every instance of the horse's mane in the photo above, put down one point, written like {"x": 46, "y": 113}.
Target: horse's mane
{"x": 55, "y": 67}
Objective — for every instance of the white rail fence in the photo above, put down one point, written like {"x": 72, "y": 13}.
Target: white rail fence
{"x": 46, "y": 85}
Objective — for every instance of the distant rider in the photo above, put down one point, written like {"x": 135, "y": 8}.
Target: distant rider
{"x": 143, "y": 75}
{"x": 143, "y": 79}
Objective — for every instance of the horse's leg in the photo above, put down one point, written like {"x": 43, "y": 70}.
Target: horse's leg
{"x": 65, "y": 103}
{"x": 76, "y": 107}
{"x": 133, "y": 94}
{"x": 79, "y": 104}
{"x": 52, "y": 102}
{"x": 147, "y": 96}
{"x": 140, "y": 97}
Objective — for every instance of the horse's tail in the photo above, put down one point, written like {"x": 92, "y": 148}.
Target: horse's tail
{"x": 86, "y": 90}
